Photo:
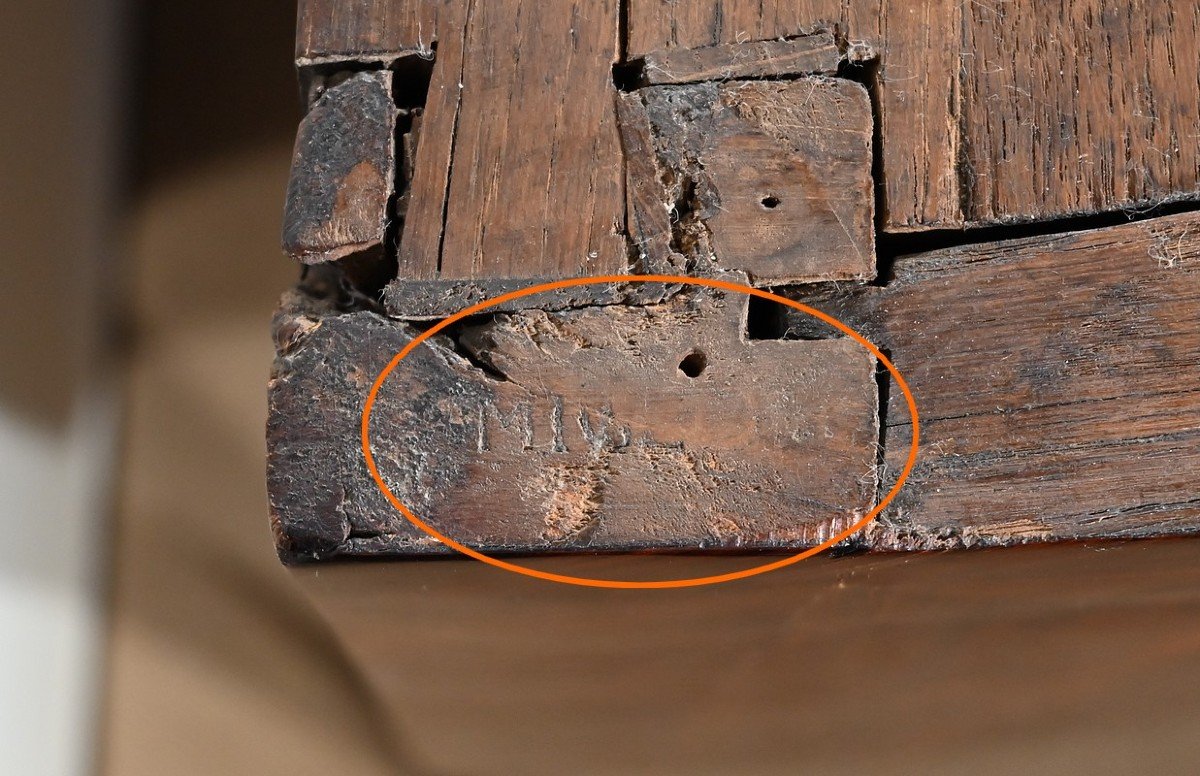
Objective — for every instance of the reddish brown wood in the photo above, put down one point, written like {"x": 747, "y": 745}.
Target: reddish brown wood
{"x": 336, "y": 31}
{"x": 1083, "y": 655}
{"x": 655, "y": 25}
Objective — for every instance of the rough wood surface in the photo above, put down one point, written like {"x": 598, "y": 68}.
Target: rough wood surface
{"x": 1079, "y": 107}
{"x": 655, "y": 25}
{"x": 1058, "y": 380}
{"x": 535, "y": 141}
{"x": 519, "y": 171}
{"x": 343, "y": 172}
{"x": 604, "y": 428}
{"x": 988, "y": 113}
{"x": 768, "y": 178}
{"x": 998, "y": 111}
{"x": 918, "y": 101}
{"x": 804, "y": 54}
{"x": 333, "y": 31}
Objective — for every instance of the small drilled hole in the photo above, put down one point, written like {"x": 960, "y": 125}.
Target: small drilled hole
{"x": 693, "y": 364}
{"x": 770, "y": 202}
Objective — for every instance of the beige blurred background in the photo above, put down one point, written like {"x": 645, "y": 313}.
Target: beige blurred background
{"x": 145, "y": 624}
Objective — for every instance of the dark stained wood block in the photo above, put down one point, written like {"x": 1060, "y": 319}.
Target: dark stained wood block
{"x": 343, "y": 172}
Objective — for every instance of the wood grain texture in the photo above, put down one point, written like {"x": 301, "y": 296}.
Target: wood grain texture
{"x": 519, "y": 171}
{"x": 604, "y": 428}
{"x": 343, "y": 172}
{"x": 919, "y": 99}
{"x": 371, "y": 30}
{"x": 990, "y": 113}
{"x": 1026, "y": 110}
{"x": 804, "y": 54}
{"x": 1079, "y": 107}
{"x": 656, "y": 25}
{"x": 535, "y": 186}
{"x": 998, "y": 112}
{"x": 1058, "y": 382}
{"x": 768, "y": 178}
{"x": 916, "y": 81}
{"x": 1056, "y": 375}
{"x": 420, "y": 249}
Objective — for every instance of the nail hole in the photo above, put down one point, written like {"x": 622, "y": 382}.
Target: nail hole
{"x": 693, "y": 364}
{"x": 770, "y": 202}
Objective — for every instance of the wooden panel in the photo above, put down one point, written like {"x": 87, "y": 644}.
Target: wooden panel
{"x": 916, "y": 90}
{"x": 420, "y": 248}
{"x": 518, "y": 172}
{"x": 1058, "y": 380}
{"x": 919, "y": 100}
{"x": 605, "y": 428}
{"x": 769, "y": 178}
{"x": 1023, "y": 355}
{"x": 998, "y": 112}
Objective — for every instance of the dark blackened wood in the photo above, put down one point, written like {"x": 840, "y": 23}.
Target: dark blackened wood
{"x": 322, "y": 499}
{"x": 768, "y": 178}
{"x": 343, "y": 173}
{"x": 417, "y": 300}
{"x": 604, "y": 428}
{"x": 806, "y": 54}
{"x": 1057, "y": 381}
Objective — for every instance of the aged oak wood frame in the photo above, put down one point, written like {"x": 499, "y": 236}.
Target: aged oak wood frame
{"x": 457, "y": 150}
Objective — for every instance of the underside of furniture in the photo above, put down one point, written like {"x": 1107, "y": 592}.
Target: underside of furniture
{"x": 1001, "y": 197}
